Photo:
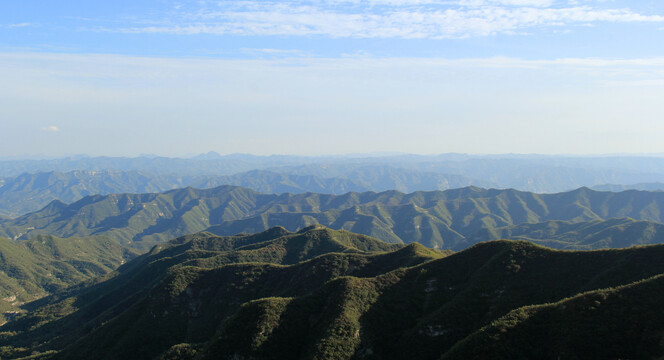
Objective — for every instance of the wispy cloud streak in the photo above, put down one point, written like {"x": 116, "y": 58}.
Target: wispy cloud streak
{"x": 383, "y": 18}
{"x": 17, "y": 25}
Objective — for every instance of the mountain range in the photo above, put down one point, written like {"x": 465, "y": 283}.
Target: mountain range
{"x": 655, "y": 186}
{"x": 61, "y": 245}
{"x": 536, "y": 173}
{"x": 452, "y": 219}
{"x": 272, "y": 270}
{"x": 30, "y": 192}
{"x": 327, "y": 294}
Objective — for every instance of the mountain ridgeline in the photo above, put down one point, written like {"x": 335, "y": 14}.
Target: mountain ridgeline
{"x": 452, "y": 219}
{"x": 404, "y": 172}
{"x": 30, "y": 192}
{"x": 331, "y": 294}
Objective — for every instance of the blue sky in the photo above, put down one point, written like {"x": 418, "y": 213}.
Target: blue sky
{"x": 331, "y": 76}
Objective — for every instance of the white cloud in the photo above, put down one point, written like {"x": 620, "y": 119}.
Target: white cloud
{"x": 533, "y": 3}
{"x": 17, "y": 25}
{"x": 51, "y": 128}
{"x": 385, "y": 18}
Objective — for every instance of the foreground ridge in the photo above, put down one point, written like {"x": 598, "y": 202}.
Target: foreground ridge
{"x": 320, "y": 293}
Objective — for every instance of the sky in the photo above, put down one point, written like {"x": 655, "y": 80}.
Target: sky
{"x": 175, "y": 78}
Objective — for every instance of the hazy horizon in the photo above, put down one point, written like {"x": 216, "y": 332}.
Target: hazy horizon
{"x": 373, "y": 154}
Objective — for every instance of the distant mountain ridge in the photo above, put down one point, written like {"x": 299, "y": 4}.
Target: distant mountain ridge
{"x": 656, "y": 186}
{"x": 31, "y": 192}
{"x": 451, "y": 219}
{"x": 537, "y": 173}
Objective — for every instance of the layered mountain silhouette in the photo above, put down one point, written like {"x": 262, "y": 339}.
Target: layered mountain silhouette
{"x": 327, "y": 174}
{"x": 327, "y": 294}
{"x": 30, "y": 192}
{"x": 452, "y": 219}
{"x": 60, "y": 245}
{"x": 655, "y": 186}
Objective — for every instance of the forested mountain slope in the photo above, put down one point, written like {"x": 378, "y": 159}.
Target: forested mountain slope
{"x": 30, "y": 269}
{"x": 240, "y": 268}
{"x": 452, "y": 219}
{"x": 326, "y": 294}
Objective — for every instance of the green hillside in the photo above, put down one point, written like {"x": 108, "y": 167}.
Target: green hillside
{"x": 626, "y": 322}
{"x": 586, "y": 235}
{"x": 233, "y": 266}
{"x": 46, "y": 264}
{"x": 424, "y": 311}
{"x": 326, "y": 294}
{"x": 452, "y": 219}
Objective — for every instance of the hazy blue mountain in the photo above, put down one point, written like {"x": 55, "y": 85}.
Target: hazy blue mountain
{"x": 555, "y": 174}
{"x": 277, "y": 183}
{"x": 205, "y": 164}
{"x": 384, "y": 178}
{"x": 536, "y": 173}
{"x": 210, "y": 155}
{"x": 657, "y": 186}
{"x": 159, "y": 165}
{"x": 31, "y": 192}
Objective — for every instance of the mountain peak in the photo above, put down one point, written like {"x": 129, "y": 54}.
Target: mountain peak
{"x": 311, "y": 227}
{"x": 210, "y": 155}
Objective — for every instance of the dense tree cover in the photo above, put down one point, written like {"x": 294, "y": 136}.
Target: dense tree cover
{"x": 327, "y": 294}
{"x": 451, "y": 219}
{"x": 46, "y": 264}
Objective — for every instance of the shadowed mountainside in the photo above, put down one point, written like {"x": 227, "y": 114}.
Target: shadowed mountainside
{"x": 272, "y": 263}
{"x": 327, "y": 294}
{"x": 624, "y": 322}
